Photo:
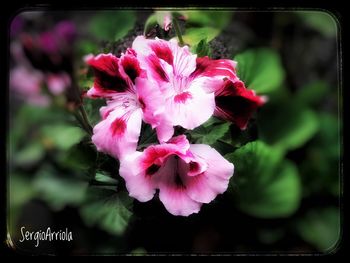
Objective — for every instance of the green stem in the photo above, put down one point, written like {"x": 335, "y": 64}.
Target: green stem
{"x": 178, "y": 32}
{"x": 85, "y": 119}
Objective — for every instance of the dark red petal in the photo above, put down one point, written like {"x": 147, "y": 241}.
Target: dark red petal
{"x": 237, "y": 104}
{"x": 107, "y": 75}
{"x": 163, "y": 51}
{"x": 118, "y": 127}
{"x": 131, "y": 66}
{"x": 211, "y": 68}
{"x": 151, "y": 170}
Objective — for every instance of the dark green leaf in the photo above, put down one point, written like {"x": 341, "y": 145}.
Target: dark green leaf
{"x": 210, "y": 134}
{"x": 320, "y": 21}
{"x": 105, "y": 179}
{"x": 193, "y": 35}
{"x": 31, "y": 153}
{"x": 150, "y": 24}
{"x": 63, "y": 136}
{"x": 321, "y": 228}
{"x": 286, "y": 124}
{"x": 79, "y": 157}
{"x": 264, "y": 184}
{"x": 107, "y": 209}
{"x": 202, "y": 49}
{"x": 312, "y": 93}
{"x": 260, "y": 69}
{"x": 57, "y": 190}
{"x": 112, "y": 25}
{"x": 207, "y": 18}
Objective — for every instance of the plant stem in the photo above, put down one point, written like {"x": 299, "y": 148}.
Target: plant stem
{"x": 178, "y": 32}
{"x": 85, "y": 119}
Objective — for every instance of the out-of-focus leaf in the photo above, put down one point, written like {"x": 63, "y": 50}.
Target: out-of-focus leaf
{"x": 207, "y": 18}
{"x": 107, "y": 209}
{"x": 57, "y": 190}
{"x": 140, "y": 251}
{"x": 312, "y": 93}
{"x": 105, "y": 179}
{"x": 266, "y": 186}
{"x": 150, "y": 23}
{"x": 92, "y": 109}
{"x": 30, "y": 154}
{"x": 321, "y": 228}
{"x": 79, "y": 157}
{"x": 86, "y": 47}
{"x": 202, "y": 49}
{"x": 63, "y": 136}
{"x": 320, "y": 21}
{"x": 286, "y": 124}
{"x": 210, "y": 134}
{"x": 261, "y": 69}
{"x": 320, "y": 168}
{"x": 112, "y": 25}
{"x": 193, "y": 35}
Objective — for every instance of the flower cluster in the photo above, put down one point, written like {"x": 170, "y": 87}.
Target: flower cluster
{"x": 165, "y": 85}
{"x": 42, "y": 59}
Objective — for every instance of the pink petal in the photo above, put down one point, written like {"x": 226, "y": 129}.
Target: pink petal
{"x": 172, "y": 193}
{"x": 235, "y": 103}
{"x": 138, "y": 184}
{"x": 213, "y": 68}
{"x": 191, "y": 110}
{"x": 119, "y": 132}
{"x": 129, "y": 66}
{"x": 205, "y": 186}
{"x": 57, "y": 83}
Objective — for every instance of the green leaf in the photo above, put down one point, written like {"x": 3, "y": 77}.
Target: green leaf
{"x": 260, "y": 69}
{"x": 79, "y": 157}
{"x": 208, "y": 18}
{"x": 112, "y": 25}
{"x": 150, "y": 24}
{"x": 266, "y": 186}
{"x": 321, "y": 228}
{"x": 62, "y": 135}
{"x": 286, "y": 124}
{"x": 202, "y": 49}
{"x": 105, "y": 179}
{"x": 32, "y": 153}
{"x": 312, "y": 93}
{"x": 320, "y": 21}
{"x": 193, "y": 36}
{"x": 210, "y": 134}
{"x": 107, "y": 209}
{"x": 57, "y": 190}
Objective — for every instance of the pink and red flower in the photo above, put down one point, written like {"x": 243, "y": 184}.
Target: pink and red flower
{"x": 187, "y": 175}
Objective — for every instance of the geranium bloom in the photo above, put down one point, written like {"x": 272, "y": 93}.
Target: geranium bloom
{"x": 187, "y": 175}
{"x": 130, "y": 98}
{"x": 235, "y": 103}
{"x": 187, "y": 83}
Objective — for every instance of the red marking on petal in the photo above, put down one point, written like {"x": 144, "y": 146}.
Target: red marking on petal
{"x": 194, "y": 166}
{"x": 118, "y": 127}
{"x": 163, "y": 51}
{"x": 157, "y": 68}
{"x": 182, "y": 97}
{"x": 142, "y": 103}
{"x": 151, "y": 170}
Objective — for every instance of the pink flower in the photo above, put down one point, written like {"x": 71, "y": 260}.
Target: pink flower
{"x": 130, "y": 98}
{"x": 236, "y": 103}
{"x": 187, "y": 175}
{"x": 26, "y": 84}
{"x": 186, "y": 82}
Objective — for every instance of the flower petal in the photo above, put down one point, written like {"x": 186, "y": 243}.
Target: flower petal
{"x": 172, "y": 193}
{"x": 118, "y": 133}
{"x": 235, "y": 103}
{"x": 138, "y": 184}
{"x": 205, "y": 186}
{"x": 192, "y": 109}
{"x": 108, "y": 80}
